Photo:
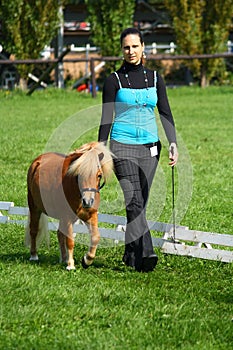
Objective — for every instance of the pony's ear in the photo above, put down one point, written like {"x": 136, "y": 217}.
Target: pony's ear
{"x": 101, "y": 156}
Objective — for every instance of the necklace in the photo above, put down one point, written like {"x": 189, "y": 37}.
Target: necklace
{"x": 138, "y": 97}
{"x": 145, "y": 78}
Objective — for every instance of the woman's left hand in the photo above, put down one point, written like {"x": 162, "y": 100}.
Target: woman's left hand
{"x": 173, "y": 154}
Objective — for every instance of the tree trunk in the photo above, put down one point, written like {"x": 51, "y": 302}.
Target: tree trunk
{"x": 23, "y": 84}
{"x": 204, "y": 78}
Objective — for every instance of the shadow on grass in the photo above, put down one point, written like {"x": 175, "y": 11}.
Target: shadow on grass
{"x": 52, "y": 260}
{"x": 23, "y": 258}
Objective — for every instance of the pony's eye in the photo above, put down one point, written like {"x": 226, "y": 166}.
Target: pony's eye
{"x": 100, "y": 176}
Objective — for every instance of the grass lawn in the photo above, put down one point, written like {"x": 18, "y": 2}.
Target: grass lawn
{"x": 185, "y": 303}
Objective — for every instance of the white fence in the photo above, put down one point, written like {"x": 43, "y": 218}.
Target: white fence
{"x": 149, "y": 49}
{"x": 197, "y": 244}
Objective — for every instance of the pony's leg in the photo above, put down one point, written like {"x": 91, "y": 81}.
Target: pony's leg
{"x": 33, "y": 227}
{"x": 62, "y": 243}
{"x": 95, "y": 237}
{"x": 66, "y": 229}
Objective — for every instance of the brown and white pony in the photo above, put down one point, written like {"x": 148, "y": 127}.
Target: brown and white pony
{"x": 67, "y": 187}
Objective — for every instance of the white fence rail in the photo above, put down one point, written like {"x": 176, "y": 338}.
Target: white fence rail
{"x": 190, "y": 243}
{"x": 153, "y": 48}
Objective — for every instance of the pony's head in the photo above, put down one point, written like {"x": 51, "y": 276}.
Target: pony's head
{"x": 91, "y": 169}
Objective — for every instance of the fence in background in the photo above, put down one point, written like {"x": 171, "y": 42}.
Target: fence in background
{"x": 153, "y": 51}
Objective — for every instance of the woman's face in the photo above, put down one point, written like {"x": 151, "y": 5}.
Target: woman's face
{"x": 132, "y": 49}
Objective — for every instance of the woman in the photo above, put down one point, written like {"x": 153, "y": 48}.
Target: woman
{"x": 131, "y": 94}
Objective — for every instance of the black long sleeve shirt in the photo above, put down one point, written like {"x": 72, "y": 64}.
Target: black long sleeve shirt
{"x": 137, "y": 81}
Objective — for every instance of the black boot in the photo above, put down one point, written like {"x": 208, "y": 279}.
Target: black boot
{"x": 149, "y": 263}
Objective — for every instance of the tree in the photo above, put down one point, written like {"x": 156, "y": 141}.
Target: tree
{"x": 108, "y": 18}
{"x": 202, "y": 27}
{"x": 28, "y": 26}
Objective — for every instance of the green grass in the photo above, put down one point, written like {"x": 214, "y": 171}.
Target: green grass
{"x": 185, "y": 303}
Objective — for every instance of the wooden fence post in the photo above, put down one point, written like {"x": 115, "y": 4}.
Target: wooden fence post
{"x": 93, "y": 80}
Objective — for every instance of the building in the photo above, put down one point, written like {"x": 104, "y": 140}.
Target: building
{"x": 152, "y": 20}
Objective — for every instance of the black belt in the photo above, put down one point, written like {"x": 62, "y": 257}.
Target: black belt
{"x": 152, "y": 144}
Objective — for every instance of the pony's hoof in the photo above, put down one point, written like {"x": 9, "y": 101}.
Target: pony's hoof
{"x": 34, "y": 258}
{"x": 84, "y": 265}
{"x": 70, "y": 268}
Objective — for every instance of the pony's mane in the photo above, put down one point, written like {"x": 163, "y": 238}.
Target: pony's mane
{"x": 86, "y": 165}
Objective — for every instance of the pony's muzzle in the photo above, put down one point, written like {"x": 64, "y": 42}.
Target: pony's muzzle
{"x": 87, "y": 203}
{"x": 88, "y": 200}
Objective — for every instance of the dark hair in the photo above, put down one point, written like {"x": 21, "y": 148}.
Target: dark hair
{"x": 132, "y": 30}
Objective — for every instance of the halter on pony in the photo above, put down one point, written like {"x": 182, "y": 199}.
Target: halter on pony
{"x": 92, "y": 189}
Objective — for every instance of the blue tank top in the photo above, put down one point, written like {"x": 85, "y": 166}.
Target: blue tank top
{"x": 135, "y": 121}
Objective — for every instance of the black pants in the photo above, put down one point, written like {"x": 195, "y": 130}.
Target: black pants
{"x": 135, "y": 169}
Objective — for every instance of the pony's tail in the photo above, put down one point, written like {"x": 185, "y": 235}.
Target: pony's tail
{"x": 43, "y": 232}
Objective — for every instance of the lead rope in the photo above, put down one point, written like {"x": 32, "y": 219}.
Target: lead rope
{"x": 174, "y": 240}
{"x": 173, "y": 206}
